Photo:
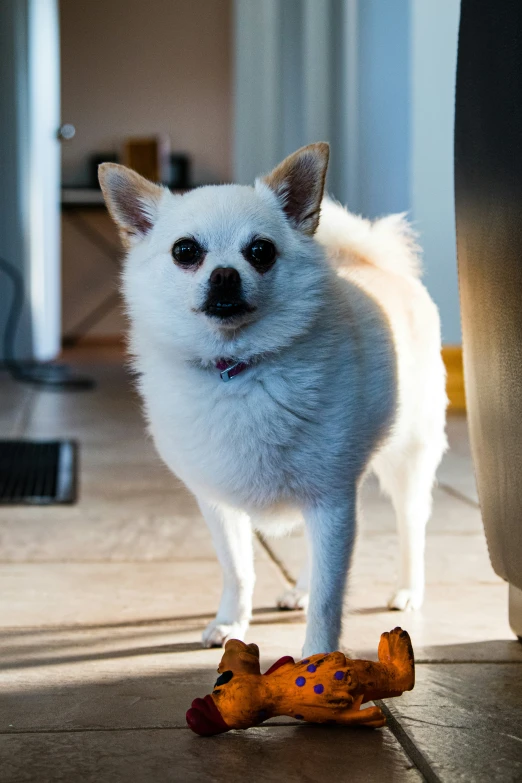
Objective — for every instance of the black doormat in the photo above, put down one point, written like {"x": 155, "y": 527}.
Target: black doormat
{"x": 37, "y": 472}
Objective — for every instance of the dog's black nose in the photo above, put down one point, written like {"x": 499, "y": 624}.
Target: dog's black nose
{"x": 225, "y": 277}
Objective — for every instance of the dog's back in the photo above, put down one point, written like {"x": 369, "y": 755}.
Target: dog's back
{"x": 383, "y": 258}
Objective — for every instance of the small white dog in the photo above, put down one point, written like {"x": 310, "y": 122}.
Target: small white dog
{"x": 284, "y": 346}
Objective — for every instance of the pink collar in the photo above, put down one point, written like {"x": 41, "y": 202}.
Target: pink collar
{"x": 228, "y": 369}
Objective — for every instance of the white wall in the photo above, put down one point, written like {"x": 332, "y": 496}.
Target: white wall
{"x": 434, "y": 34}
{"x": 407, "y": 57}
{"x": 135, "y": 67}
{"x": 384, "y": 65}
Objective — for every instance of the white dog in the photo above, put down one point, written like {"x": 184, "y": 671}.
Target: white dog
{"x": 284, "y": 346}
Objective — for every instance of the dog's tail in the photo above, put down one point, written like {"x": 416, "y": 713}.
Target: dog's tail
{"x": 389, "y": 243}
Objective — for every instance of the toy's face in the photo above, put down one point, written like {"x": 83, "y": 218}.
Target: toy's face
{"x": 236, "y": 696}
{"x": 235, "y": 703}
{"x": 240, "y": 699}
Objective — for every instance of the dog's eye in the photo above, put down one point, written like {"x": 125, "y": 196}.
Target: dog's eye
{"x": 261, "y": 254}
{"x": 186, "y": 252}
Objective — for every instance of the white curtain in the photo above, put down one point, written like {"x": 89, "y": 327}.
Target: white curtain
{"x": 295, "y": 83}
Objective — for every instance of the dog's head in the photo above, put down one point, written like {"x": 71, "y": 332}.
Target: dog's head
{"x": 223, "y": 270}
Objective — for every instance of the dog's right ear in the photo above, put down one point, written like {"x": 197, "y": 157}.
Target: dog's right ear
{"x": 132, "y": 201}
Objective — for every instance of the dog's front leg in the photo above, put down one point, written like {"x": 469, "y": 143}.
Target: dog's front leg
{"x": 232, "y": 536}
{"x": 331, "y": 528}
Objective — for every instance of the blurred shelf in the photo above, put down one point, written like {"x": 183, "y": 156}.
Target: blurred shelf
{"x": 82, "y": 197}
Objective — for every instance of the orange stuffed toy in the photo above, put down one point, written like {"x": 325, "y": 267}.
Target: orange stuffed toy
{"x": 324, "y": 688}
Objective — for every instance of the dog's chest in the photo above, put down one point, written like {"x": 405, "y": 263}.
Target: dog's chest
{"x": 245, "y": 441}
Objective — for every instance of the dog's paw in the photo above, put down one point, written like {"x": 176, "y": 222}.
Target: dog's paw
{"x": 216, "y": 634}
{"x": 406, "y": 600}
{"x": 294, "y": 598}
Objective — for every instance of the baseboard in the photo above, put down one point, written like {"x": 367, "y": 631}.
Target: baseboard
{"x": 95, "y": 348}
{"x": 452, "y": 358}
{"x": 95, "y": 341}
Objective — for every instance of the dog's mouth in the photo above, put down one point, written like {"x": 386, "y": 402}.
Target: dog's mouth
{"x": 227, "y": 309}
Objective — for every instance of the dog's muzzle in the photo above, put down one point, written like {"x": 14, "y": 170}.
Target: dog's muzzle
{"x": 225, "y": 297}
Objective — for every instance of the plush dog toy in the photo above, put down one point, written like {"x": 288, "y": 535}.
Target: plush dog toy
{"x": 324, "y": 688}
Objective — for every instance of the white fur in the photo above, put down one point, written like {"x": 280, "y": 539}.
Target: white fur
{"x": 345, "y": 372}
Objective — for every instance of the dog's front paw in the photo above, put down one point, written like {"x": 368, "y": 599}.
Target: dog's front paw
{"x": 406, "y": 600}
{"x": 216, "y": 634}
{"x": 294, "y": 598}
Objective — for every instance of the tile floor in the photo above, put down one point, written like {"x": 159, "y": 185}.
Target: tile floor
{"x": 103, "y": 602}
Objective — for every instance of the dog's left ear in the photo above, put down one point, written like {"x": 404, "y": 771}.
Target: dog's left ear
{"x": 131, "y": 200}
{"x": 298, "y": 183}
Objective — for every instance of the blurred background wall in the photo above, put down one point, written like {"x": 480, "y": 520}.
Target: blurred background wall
{"x": 135, "y": 68}
{"x": 236, "y": 84}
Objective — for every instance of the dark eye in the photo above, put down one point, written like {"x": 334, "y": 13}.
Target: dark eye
{"x": 186, "y": 252}
{"x": 261, "y": 253}
{"x": 224, "y": 678}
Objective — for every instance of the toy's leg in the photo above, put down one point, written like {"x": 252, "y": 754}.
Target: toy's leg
{"x": 408, "y": 478}
{"x": 395, "y": 672}
{"x": 232, "y": 535}
{"x": 371, "y": 716}
{"x": 396, "y": 653}
{"x": 331, "y": 532}
{"x": 297, "y": 597}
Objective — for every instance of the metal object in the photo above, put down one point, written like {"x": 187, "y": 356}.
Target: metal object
{"x": 66, "y": 132}
{"x": 37, "y": 472}
{"x": 226, "y": 375}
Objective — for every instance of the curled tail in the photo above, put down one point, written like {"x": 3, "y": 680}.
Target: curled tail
{"x": 389, "y": 243}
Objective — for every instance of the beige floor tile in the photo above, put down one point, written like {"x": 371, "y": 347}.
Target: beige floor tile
{"x": 120, "y": 674}
{"x": 290, "y": 754}
{"x": 140, "y": 517}
{"x": 450, "y": 559}
{"x": 452, "y": 625}
{"x": 456, "y": 469}
{"x": 52, "y": 594}
{"x": 15, "y": 406}
{"x": 103, "y": 604}
{"x": 130, "y": 506}
{"x": 449, "y": 515}
{"x": 118, "y": 645}
{"x": 466, "y": 720}
{"x": 465, "y": 605}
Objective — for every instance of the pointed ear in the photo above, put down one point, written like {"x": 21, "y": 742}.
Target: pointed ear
{"x": 253, "y": 649}
{"x": 132, "y": 201}
{"x": 298, "y": 182}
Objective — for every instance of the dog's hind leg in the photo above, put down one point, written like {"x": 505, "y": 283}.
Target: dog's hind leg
{"x": 408, "y": 477}
{"x": 232, "y": 536}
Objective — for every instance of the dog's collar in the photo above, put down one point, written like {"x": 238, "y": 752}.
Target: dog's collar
{"x": 228, "y": 369}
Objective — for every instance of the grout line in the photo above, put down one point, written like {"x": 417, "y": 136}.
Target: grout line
{"x": 90, "y": 730}
{"x": 285, "y": 573}
{"x": 408, "y": 745}
{"x": 459, "y": 495}
{"x": 97, "y": 560}
{"x": 104, "y": 729}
